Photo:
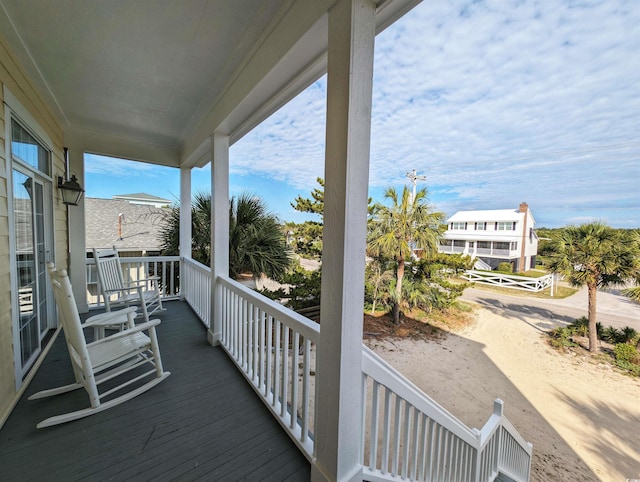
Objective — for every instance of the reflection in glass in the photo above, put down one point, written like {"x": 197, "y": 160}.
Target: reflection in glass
{"x": 26, "y": 148}
{"x": 25, "y": 262}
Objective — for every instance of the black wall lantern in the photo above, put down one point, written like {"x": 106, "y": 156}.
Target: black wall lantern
{"x": 70, "y": 189}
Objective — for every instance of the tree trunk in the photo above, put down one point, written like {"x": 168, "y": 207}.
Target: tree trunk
{"x": 396, "y": 305}
{"x": 592, "y": 289}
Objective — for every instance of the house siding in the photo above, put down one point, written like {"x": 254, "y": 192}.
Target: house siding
{"x": 7, "y": 383}
{"x": 14, "y": 78}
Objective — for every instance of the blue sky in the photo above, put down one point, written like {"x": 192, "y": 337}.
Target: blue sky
{"x": 495, "y": 102}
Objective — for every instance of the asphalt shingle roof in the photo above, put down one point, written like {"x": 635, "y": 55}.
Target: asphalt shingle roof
{"x": 141, "y": 226}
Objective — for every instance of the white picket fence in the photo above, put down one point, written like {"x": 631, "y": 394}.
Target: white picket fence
{"x": 510, "y": 280}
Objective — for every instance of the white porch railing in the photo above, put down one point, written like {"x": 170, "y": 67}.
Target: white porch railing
{"x": 411, "y": 437}
{"x": 273, "y": 348}
{"x": 510, "y": 281}
{"x": 195, "y": 287}
{"x": 406, "y": 435}
{"x": 167, "y": 268}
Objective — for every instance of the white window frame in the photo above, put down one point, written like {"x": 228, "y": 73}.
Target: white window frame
{"x": 504, "y": 226}
{"x": 14, "y": 110}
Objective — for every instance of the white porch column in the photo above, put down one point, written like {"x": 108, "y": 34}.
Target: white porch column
{"x": 219, "y": 227}
{"x": 76, "y": 232}
{"x": 339, "y": 373}
{"x": 185, "y": 212}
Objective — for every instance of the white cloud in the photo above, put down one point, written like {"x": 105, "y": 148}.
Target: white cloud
{"x": 497, "y": 102}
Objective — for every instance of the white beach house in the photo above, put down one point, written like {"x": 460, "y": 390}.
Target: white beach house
{"x": 494, "y": 237}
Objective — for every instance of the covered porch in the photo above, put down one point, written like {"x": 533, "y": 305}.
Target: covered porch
{"x": 350, "y": 415}
{"x": 203, "y": 422}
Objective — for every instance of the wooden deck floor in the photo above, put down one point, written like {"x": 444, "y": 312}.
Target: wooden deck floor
{"x": 203, "y": 423}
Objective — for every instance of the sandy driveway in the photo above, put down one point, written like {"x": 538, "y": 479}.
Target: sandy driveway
{"x": 582, "y": 418}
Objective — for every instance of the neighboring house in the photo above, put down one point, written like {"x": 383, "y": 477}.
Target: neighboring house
{"x": 134, "y": 229}
{"x": 143, "y": 198}
{"x": 494, "y": 237}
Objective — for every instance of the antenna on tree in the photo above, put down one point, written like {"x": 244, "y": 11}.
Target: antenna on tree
{"x": 414, "y": 179}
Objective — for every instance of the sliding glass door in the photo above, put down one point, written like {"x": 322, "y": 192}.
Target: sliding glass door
{"x": 32, "y": 235}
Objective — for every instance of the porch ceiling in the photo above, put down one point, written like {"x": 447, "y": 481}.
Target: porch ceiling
{"x": 133, "y": 77}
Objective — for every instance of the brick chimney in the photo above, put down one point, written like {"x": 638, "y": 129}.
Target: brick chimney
{"x": 524, "y": 207}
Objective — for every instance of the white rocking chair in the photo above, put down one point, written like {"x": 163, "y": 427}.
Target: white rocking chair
{"x": 116, "y": 357}
{"x": 117, "y": 292}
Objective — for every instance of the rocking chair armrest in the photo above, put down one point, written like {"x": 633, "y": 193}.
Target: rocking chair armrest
{"x": 141, "y": 282}
{"x": 125, "y": 289}
{"x": 110, "y": 317}
{"x": 128, "y": 332}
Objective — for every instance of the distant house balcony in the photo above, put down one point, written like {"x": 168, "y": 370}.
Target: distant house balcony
{"x": 469, "y": 247}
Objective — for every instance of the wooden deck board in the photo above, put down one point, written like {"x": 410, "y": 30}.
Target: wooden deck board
{"x": 203, "y": 423}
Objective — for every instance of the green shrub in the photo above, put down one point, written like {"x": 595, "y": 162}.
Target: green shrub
{"x": 632, "y": 367}
{"x": 561, "y": 337}
{"x": 626, "y": 353}
{"x": 628, "y": 335}
{"x": 580, "y": 326}
{"x": 612, "y": 335}
{"x": 505, "y": 267}
{"x": 627, "y": 357}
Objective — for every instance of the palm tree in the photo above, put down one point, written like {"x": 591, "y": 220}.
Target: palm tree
{"x": 633, "y": 292}
{"x": 397, "y": 229}
{"x": 597, "y": 256}
{"x": 256, "y": 241}
{"x": 200, "y": 229}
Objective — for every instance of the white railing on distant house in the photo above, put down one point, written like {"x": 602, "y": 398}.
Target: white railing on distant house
{"x": 510, "y": 280}
{"x": 406, "y": 435}
{"x": 443, "y": 248}
{"x": 195, "y": 287}
{"x": 410, "y": 437}
{"x": 166, "y": 268}
{"x": 274, "y": 349}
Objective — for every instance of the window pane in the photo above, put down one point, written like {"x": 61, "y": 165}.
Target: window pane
{"x": 505, "y": 226}
{"x": 26, "y": 148}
